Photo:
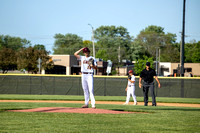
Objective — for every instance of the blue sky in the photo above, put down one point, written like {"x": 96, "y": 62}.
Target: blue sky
{"x": 39, "y": 20}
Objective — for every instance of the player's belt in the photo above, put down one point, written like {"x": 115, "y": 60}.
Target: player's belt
{"x": 87, "y": 72}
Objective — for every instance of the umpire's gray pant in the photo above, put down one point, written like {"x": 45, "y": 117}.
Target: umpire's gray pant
{"x": 146, "y": 87}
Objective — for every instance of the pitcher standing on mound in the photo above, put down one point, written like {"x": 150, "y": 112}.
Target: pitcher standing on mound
{"x": 87, "y": 70}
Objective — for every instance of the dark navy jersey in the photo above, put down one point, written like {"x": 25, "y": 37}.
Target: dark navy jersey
{"x": 147, "y": 76}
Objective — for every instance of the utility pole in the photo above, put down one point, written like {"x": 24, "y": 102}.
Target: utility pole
{"x": 39, "y": 64}
{"x": 159, "y": 64}
{"x": 157, "y": 60}
{"x": 119, "y": 55}
{"x": 183, "y": 41}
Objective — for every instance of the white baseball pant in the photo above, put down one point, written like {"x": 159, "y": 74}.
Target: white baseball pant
{"x": 87, "y": 84}
{"x": 131, "y": 91}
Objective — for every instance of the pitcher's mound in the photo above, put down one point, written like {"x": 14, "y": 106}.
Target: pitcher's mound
{"x": 74, "y": 110}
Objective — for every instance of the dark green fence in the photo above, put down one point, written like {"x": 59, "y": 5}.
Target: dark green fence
{"x": 103, "y": 86}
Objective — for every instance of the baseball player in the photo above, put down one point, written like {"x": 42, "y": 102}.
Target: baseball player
{"x": 131, "y": 88}
{"x": 88, "y": 63}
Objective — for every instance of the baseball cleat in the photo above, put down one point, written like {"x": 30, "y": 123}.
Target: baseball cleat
{"x": 125, "y": 104}
{"x": 85, "y": 106}
{"x": 135, "y": 103}
{"x": 93, "y": 107}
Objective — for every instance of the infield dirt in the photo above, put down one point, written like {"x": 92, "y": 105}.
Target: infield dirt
{"x": 106, "y": 102}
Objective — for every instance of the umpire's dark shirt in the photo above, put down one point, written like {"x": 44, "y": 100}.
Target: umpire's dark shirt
{"x": 147, "y": 76}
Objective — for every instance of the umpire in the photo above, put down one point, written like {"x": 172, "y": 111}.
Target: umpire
{"x": 147, "y": 75}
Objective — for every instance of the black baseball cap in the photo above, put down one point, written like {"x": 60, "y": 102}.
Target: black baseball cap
{"x": 148, "y": 64}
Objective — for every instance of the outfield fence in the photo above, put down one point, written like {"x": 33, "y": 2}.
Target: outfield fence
{"x": 103, "y": 85}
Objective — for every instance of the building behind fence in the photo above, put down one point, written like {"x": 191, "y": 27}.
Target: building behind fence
{"x": 103, "y": 86}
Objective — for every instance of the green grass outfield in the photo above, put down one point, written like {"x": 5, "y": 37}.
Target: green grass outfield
{"x": 158, "y": 119}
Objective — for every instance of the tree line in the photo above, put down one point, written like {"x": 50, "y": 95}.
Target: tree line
{"x": 18, "y": 54}
{"x": 116, "y": 44}
{"x": 111, "y": 43}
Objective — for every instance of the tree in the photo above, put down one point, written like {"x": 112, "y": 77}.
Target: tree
{"x": 188, "y": 52}
{"x": 154, "y": 37}
{"x": 67, "y": 44}
{"x": 150, "y": 38}
{"x": 196, "y": 53}
{"x": 7, "y": 60}
{"x": 39, "y": 47}
{"x": 102, "y": 53}
{"x": 141, "y": 64}
{"x": 28, "y": 59}
{"x": 137, "y": 51}
{"x": 113, "y": 43}
{"x": 170, "y": 53}
{"x": 192, "y": 52}
{"x": 14, "y": 43}
{"x": 41, "y": 53}
{"x": 87, "y": 43}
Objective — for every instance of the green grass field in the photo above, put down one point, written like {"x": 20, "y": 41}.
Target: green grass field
{"x": 158, "y": 119}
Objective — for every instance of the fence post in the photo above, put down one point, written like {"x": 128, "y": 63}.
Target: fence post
{"x": 104, "y": 86}
{"x": 30, "y": 84}
{"x": 41, "y": 85}
{"x": 169, "y": 88}
{"x": 78, "y": 90}
{"x": 79, "y": 85}
{"x": 54, "y": 85}
{"x": 182, "y": 88}
{"x": 17, "y": 86}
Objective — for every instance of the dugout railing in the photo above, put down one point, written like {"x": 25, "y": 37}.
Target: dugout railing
{"x": 103, "y": 85}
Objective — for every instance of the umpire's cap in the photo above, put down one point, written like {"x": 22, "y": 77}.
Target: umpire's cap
{"x": 130, "y": 71}
{"x": 148, "y": 64}
{"x": 86, "y": 49}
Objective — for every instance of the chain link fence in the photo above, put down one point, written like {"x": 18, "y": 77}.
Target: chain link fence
{"x": 103, "y": 86}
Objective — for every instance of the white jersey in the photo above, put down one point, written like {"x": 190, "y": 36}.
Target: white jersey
{"x": 132, "y": 79}
{"x": 84, "y": 64}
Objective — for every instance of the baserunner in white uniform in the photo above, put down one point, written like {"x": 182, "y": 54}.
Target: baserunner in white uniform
{"x": 131, "y": 88}
{"x": 87, "y": 71}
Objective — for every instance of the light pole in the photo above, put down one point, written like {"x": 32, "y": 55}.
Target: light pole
{"x": 93, "y": 40}
{"x": 93, "y": 44}
{"x": 183, "y": 41}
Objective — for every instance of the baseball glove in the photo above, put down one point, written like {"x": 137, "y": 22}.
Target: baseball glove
{"x": 91, "y": 62}
{"x": 129, "y": 77}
